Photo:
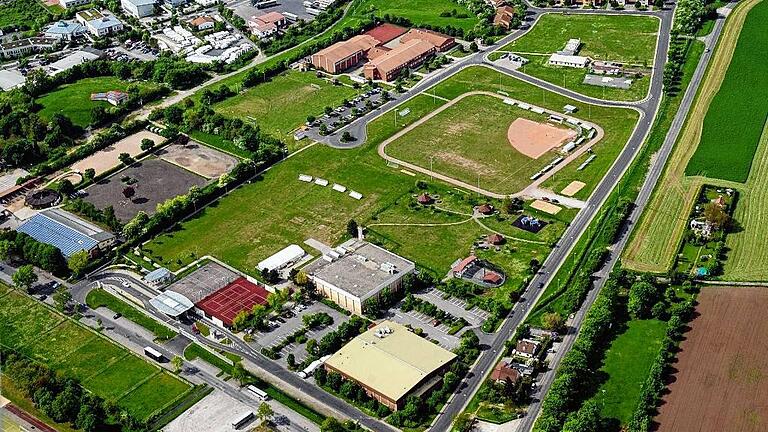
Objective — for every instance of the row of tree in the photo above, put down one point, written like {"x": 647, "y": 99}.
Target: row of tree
{"x": 20, "y": 246}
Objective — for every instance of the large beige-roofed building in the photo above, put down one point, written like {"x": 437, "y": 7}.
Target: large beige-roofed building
{"x": 406, "y": 55}
{"x": 343, "y": 55}
{"x": 391, "y": 363}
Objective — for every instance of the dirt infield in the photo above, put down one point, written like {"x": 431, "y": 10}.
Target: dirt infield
{"x": 108, "y": 157}
{"x": 722, "y": 378}
{"x": 198, "y": 158}
{"x": 572, "y": 188}
{"x": 534, "y": 139}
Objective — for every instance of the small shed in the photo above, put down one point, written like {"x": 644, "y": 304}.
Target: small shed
{"x": 496, "y": 239}
{"x": 485, "y": 209}
{"x": 425, "y": 199}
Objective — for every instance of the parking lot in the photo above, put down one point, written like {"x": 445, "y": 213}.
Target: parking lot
{"x": 343, "y": 115}
{"x": 455, "y": 306}
{"x": 419, "y": 320}
{"x": 279, "y": 333}
{"x": 245, "y": 9}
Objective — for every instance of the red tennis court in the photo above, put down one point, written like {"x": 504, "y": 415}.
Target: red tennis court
{"x": 227, "y": 302}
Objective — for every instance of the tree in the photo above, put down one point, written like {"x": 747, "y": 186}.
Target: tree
{"x": 642, "y": 297}
{"x": 716, "y": 215}
{"x": 587, "y": 419}
{"x": 129, "y": 192}
{"x": 89, "y": 174}
{"x": 346, "y": 136}
{"x": 265, "y": 412}
{"x": 352, "y": 228}
{"x": 66, "y": 187}
{"x": 240, "y": 373}
{"x": 7, "y": 249}
{"x": 553, "y": 321}
{"x": 62, "y": 297}
{"x": 78, "y": 262}
{"x": 147, "y": 144}
{"x": 464, "y": 422}
{"x": 125, "y": 159}
{"x": 25, "y": 277}
{"x": 330, "y": 424}
{"x": 177, "y": 363}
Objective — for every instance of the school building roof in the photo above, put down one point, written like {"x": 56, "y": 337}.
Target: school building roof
{"x": 399, "y": 56}
{"x": 439, "y": 40}
{"x": 227, "y": 302}
{"x": 386, "y": 32}
{"x": 341, "y": 50}
{"x": 65, "y": 231}
{"x": 390, "y": 363}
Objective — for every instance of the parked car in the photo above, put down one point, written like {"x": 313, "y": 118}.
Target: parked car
{"x": 116, "y": 316}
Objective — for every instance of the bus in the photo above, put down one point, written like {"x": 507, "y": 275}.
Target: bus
{"x": 259, "y": 393}
{"x": 243, "y": 420}
{"x": 153, "y": 354}
{"x": 265, "y": 4}
{"x": 290, "y": 17}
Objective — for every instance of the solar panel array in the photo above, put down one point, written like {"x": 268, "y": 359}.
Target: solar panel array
{"x": 227, "y": 302}
{"x": 46, "y": 230}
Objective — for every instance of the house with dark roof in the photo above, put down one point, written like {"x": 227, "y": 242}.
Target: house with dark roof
{"x": 504, "y": 371}
{"x": 527, "y": 348}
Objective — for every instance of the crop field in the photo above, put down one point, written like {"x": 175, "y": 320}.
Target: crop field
{"x": 626, "y": 365}
{"x": 625, "y": 38}
{"x": 468, "y": 141}
{"x": 720, "y": 378}
{"x": 74, "y": 100}
{"x": 103, "y": 367}
{"x": 748, "y": 246}
{"x": 420, "y": 12}
{"x": 283, "y": 104}
{"x": 23, "y": 12}
{"x": 737, "y": 114}
{"x": 655, "y": 240}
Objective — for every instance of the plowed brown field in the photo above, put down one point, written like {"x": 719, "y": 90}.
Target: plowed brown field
{"x": 721, "y": 383}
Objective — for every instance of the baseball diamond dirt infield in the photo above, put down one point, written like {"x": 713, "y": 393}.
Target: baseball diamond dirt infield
{"x": 198, "y": 158}
{"x": 721, "y": 383}
{"x": 534, "y": 139}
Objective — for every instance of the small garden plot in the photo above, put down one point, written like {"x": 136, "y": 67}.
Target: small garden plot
{"x": 141, "y": 187}
{"x": 90, "y": 359}
{"x": 120, "y": 377}
{"x": 199, "y": 159}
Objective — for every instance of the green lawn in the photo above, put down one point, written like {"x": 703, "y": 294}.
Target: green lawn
{"x": 153, "y": 393}
{"x": 626, "y": 364}
{"x": 468, "y": 141}
{"x": 625, "y": 38}
{"x": 419, "y": 12}
{"x": 736, "y": 116}
{"x": 101, "y": 366}
{"x": 220, "y": 143}
{"x": 617, "y": 123}
{"x": 23, "y": 12}
{"x": 99, "y": 298}
{"x": 74, "y": 100}
{"x": 283, "y": 104}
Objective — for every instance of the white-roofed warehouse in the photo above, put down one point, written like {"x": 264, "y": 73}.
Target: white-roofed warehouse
{"x": 289, "y": 255}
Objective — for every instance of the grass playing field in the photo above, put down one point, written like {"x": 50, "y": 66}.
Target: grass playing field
{"x": 617, "y": 123}
{"x": 625, "y": 38}
{"x": 737, "y": 114}
{"x": 655, "y": 240}
{"x": 103, "y": 367}
{"x": 419, "y": 12}
{"x": 626, "y": 365}
{"x": 468, "y": 141}
{"x": 283, "y": 104}
{"x": 74, "y": 100}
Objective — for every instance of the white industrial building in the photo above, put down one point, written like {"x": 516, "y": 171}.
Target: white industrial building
{"x": 287, "y": 256}
{"x": 138, "y": 8}
{"x": 99, "y": 24}
{"x": 573, "y": 61}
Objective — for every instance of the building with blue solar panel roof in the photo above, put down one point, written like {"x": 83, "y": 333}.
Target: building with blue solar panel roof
{"x": 67, "y": 232}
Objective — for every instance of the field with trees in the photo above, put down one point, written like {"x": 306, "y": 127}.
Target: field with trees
{"x": 109, "y": 371}
{"x": 439, "y": 13}
{"x": 656, "y": 238}
{"x": 23, "y": 14}
{"x": 737, "y": 114}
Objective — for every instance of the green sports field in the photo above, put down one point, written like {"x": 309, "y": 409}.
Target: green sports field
{"x": 74, "y": 100}
{"x": 102, "y": 367}
{"x": 738, "y": 112}
{"x": 468, "y": 141}
{"x": 419, "y": 12}
{"x": 283, "y": 104}
{"x": 625, "y": 38}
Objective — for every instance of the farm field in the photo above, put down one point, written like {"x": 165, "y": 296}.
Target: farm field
{"x": 419, "y": 12}
{"x": 103, "y": 367}
{"x": 21, "y": 12}
{"x": 625, "y": 38}
{"x": 655, "y": 240}
{"x": 468, "y": 141}
{"x": 736, "y": 115}
{"x": 283, "y": 104}
{"x": 74, "y": 100}
{"x": 721, "y": 368}
{"x": 626, "y": 364}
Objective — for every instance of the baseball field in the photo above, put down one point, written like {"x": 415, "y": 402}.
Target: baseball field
{"x": 720, "y": 378}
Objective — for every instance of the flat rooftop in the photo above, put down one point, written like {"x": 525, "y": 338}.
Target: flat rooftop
{"x": 362, "y": 270}
{"x": 391, "y": 365}
{"x": 203, "y": 282}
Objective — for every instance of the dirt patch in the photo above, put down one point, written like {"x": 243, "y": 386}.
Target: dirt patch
{"x": 722, "y": 369}
{"x": 573, "y": 188}
{"x": 108, "y": 158}
{"x": 534, "y": 139}
{"x": 546, "y": 207}
{"x": 199, "y": 159}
